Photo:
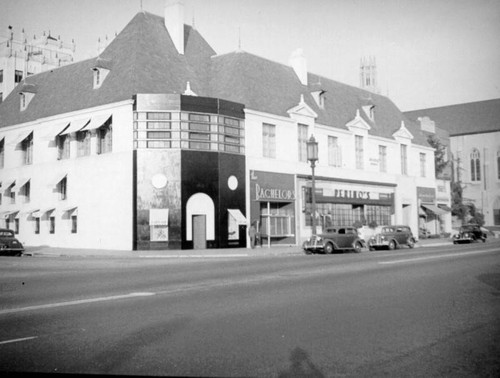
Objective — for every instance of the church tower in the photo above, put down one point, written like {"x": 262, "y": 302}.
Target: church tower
{"x": 368, "y": 74}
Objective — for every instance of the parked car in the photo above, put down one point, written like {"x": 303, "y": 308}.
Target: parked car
{"x": 469, "y": 233}
{"x": 392, "y": 237}
{"x": 333, "y": 239}
{"x": 9, "y": 245}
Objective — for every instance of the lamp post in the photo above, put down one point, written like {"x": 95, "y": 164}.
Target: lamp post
{"x": 312, "y": 156}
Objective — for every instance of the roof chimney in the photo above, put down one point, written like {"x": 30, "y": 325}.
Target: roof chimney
{"x": 174, "y": 22}
{"x": 299, "y": 64}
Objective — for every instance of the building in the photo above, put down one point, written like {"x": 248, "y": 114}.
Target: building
{"x": 20, "y": 58}
{"x": 160, "y": 143}
{"x": 474, "y": 132}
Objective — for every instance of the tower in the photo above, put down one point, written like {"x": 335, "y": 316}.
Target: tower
{"x": 368, "y": 74}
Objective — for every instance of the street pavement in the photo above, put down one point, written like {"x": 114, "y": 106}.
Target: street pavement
{"x": 191, "y": 253}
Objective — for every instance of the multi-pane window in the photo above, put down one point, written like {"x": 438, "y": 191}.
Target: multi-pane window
{"x": 334, "y": 152}
{"x": 27, "y": 147}
{"x": 382, "y": 157}
{"x": 104, "y": 139}
{"x": 422, "y": 164}
{"x": 404, "y": 159}
{"x": 63, "y": 143}
{"x": 359, "y": 151}
{"x": 269, "y": 140}
{"x": 475, "y": 165}
{"x": 83, "y": 143}
{"x": 302, "y": 141}
{"x": 18, "y": 76}
{"x": 2, "y": 152}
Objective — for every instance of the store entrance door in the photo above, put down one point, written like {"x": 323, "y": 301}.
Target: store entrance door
{"x": 199, "y": 231}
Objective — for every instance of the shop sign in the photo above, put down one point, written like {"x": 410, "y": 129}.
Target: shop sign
{"x": 273, "y": 187}
{"x": 426, "y": 195}
{"x": 158, "y": 223}
{"x": 354, "y": 194}
{"x": 273, "y": 194}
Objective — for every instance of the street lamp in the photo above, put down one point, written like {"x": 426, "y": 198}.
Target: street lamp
{"x": 312, "y": 156}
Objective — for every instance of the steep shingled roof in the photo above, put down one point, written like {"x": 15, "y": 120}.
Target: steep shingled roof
{"x": 143, "y": 59}
{"x": 461, "y": 119}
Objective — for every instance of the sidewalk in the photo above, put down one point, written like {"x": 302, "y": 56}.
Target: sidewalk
{"x": 46, "y": 251}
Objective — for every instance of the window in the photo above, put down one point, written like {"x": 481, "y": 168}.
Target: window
{"x": 18, "y": 76}
{"x": 498, "y": 163}
{"x": 1, "y": 97}
{"x": 105, "y": 139}
{"x": 83, "y": 142}
{"x": 359, "y": 151}
{"x": 2, "y": 152}
{"x": 52, "y": 225}
{"x": 63, "y": 143}
{"x": 475, "y": 165}
{"x": 26, "y": 191}
{"x": 269, "y": 140}
{"x": 334, "y": 153}
{"x": 62, "y": 188}
{"x": 302, "y": 142}
{"x": 422, "y": 164}
{"x": 1, "y": 76}
{"x": 37, "y": 225}
{"x": 27, "y": 147}
{"x": 16, "y": 225}
{"x": 404, "y": 159}
{"x": 382, "y": 157}
{"x": 74, "y": 224}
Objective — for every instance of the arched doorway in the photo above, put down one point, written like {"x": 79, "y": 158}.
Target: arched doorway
{"x": 200, "y": 220}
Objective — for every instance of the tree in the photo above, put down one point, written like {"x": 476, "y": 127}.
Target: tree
{"x": 458, "y": 208}
{"x": 440, "y": 161}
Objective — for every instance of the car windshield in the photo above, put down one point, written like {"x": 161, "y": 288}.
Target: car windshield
{"x": 6, "y": 234}
{"x": 468, "y": 228}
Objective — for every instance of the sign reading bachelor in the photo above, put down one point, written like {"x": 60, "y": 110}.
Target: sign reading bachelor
{"x": 272, "y": 187}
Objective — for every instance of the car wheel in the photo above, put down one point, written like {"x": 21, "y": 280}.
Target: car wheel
{"x": 371, "y": 248}
{"x": 455, "y": 242}
{"x": 411, "y": 243}
{"x": 329, "y": 248}
{"x": 358, "y": 247}
{"x": 392, "y": 245}
{"x": 484, "y": 240}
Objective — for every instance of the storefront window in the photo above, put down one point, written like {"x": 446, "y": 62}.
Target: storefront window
{"x": 276, "y": 219}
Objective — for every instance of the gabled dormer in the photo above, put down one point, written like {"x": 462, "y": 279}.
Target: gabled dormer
{"x": 319, "y": 97}
{"x": 403, "y": 135}
{"x": 101, "y": 69}
{"x": 26, "y": 94}
{"x": 302, "y": 113}
{"x": 358, "y": 125}
{"x": 369, "y": 111}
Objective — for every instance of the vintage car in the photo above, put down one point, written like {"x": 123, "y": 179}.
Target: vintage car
{"x": 9, "y": 245}
{"x": 469, "y": 233}
{"x": 391, "y": 237}
{"x": 335, "y": 239}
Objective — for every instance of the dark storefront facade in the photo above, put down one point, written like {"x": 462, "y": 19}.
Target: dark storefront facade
{"x": 189, "y": 187}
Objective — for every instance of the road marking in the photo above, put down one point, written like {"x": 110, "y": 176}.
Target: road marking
{"x": 437, "y": 257}
{"x": 189, "y": 256}
{"x": 17, "y": 340}
{"x": 77, "y": 302}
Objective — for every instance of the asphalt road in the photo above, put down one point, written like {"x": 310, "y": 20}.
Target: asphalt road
{"x": 422, "y": 312}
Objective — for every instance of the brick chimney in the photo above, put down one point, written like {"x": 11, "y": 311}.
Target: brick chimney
{"x": 174, "y": 22}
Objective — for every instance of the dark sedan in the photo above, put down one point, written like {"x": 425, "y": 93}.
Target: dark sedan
{"x": 9, "y": 245}
{"x": 470, "y": 233}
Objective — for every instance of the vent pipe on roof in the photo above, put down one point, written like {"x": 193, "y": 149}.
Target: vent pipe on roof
{"x": 299, "y": 64}
{"x": 174, "y": 22}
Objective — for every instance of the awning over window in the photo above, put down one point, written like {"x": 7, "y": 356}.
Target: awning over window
{"x": 7, "y": 214}
{"x": 71, "y": 210}
{"x": 421, "y": 212}
{"x": 238, "y": 216}
{"x": 39, "y": 214}
{"x": 57, "y": 179}
{"x": 31, "y": 212}
{"x": 75, "y": 126}
{"x": 63, "y": 127}
{"x": 433, "y": 208}
{"x": 19, "y": 184}
{"x": 7, "y": 184}
{"x": 97, "y": 122}
{"x": 22, "y": 136}
{"x": 444, "y": 207}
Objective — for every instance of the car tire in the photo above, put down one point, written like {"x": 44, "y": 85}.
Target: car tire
{"x": 358, "y": 247}
{"x": 410, "y": 243}
{"x": 329, "y": 248}
{"x": 371, "y": 248}
{"x": 392, "y": 245}
{"x": 484, "y": 240}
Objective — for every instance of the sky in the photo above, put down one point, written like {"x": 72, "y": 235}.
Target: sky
{"x": 429, "y": 53}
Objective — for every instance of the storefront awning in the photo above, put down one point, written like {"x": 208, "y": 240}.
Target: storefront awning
{"x": 433, "y": 208}
{"x": 97, "y": 122}
{"x": 421, "y": 212}
{"x": 75, "y": 126}
{"x": 444, "y": 207}
{"x": 238, "y": 216}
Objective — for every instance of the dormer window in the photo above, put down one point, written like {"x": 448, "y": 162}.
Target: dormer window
{"x": 99, "y": 76}
{"x": 26, "y": 94}
{"x": 101, "y": 70}
{"x": 319, "y": 98}
{"x": 370, "y": 111}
